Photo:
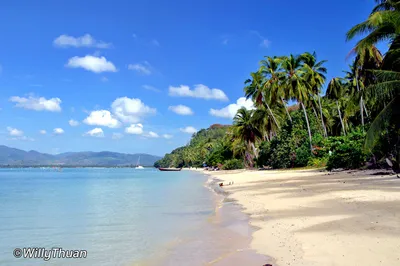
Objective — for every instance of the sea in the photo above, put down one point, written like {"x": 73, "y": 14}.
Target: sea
{"x": 120, "y": 216}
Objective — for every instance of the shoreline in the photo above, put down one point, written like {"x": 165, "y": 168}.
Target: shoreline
{"x": 310, "y": 217}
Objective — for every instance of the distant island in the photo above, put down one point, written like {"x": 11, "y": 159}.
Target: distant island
{"x": 11, "y": 157}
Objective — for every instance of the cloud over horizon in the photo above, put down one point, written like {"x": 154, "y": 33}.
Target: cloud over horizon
{"x": 231, "y": 110}
{"x": 91, "y": 63}
{"x": 181, "y": 109}
{"x": 37, "y": 103}
{"x": 86, "y": 40}
{"x": 200, "y": 91}
{"x": 101, "y": 118}
{"x": 95, "y": 132}
{"x": 130, "y": 110}
{"x": 134, "y": 129}
{"x": 188, "y": 130}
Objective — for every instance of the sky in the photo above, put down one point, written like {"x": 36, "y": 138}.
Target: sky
{"x": 143, "y": 76}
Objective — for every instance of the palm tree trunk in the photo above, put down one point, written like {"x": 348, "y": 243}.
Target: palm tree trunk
{"x": 340, "y": 116}
{"x": 361, "y": 104}
{"x": 322, "y": 116}
{"x": 362, "y": 112}
{"x": 365, "y": 109}
{"x": 315, "y": 113}
{"x": 308, "y": 125}
{"x": 254, "y": 149}
{"x": 269, "y": 109}
{"x": 287, "y": 111}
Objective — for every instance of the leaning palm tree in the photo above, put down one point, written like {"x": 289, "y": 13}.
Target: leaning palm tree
{"x": 255, "y": 91}
{"x": 296, "y": 86}
{"x": 245, "y": 130}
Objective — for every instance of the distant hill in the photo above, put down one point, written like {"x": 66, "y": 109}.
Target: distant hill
{"x": 16, "y": 157}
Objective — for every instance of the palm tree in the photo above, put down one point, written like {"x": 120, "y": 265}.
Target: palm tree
{"x": 388, "y": 86}
{"x": 383, "y": 24}
{"x": 335, "y": 91}
{"x": 245, "y": 130}
{"x": 254, "y": 90}
{"x": 315, "y": 76}
{"x": 272, "y": 87}
{"x": 296, "y": 86}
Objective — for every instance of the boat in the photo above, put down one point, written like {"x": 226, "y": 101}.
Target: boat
{"x": 169, "y": 169}
{"x": 138, "y": 166}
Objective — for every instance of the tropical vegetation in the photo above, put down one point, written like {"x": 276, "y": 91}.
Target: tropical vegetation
{"x": 356, "y": 122}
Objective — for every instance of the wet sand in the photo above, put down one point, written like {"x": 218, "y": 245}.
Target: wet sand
{"x": 221, "y": 240}
{"x": 316, "y": 218}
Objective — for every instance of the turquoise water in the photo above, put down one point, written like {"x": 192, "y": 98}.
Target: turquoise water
{"x": 120, "y": 216}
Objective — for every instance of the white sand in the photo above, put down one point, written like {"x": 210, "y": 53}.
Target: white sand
{"x": 312, "y": 218}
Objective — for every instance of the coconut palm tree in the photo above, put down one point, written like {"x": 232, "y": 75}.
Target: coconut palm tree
{"x": 388, "y": 86}
{"x": 245, "y": 130}
{"x": 315, "y": 77}
{"x": 255, "y": 91}
{"x": 272, "y": 87}
{"x": 296, "y": 86}
{"x": 383, "y": 24}
{"x": 335, "y": 91}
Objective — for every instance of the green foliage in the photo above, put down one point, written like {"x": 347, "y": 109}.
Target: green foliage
{"x": 290, "y": 148}
{"x": 347, "y": 151}
{"x": 233, "y": 164}
{"x": 317, "y": 162}
{"x": 211, "y": 145}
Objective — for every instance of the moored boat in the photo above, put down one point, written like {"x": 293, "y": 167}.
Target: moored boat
{"x": 169, "y": 169}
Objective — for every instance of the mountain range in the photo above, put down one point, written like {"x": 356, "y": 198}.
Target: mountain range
{"x": 15, "y": 157}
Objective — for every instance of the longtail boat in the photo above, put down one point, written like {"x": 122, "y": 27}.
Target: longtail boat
{"x": 169, "y": 169}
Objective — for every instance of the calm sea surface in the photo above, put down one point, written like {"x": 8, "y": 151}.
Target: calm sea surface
{"x": 120, "y": 216}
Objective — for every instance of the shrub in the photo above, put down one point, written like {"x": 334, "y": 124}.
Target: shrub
{"x": 303, "y": 155}
{"x": 347, "y": 151}
{"x": 317, "y": 162}
{"x": 233, "y": 164}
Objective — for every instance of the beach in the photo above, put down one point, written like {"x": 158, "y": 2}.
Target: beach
{"x": 312, "y": 217}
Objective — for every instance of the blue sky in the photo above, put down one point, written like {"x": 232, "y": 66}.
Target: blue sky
{"x": 127, "y": 72}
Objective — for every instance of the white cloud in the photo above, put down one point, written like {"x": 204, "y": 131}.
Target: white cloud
{"x": 167, "y": 136}
{"x": 73, "y": 123}
{"x": 58, "y": 131}
{"x": 102, "y": 118}
{"x": 43, "y": 132}
{"x": 264, "y": 41}
{"x": 17, "y": 134}
{"x": 136, "y": 129}
{"x": 141, "y": 68}
{"x": 152, "y": 134}
{"x": 95, "y": 132}
{"x": 130, "y": 110}
{"x": 92, "y": 63}
{"x": 189, "y": 130}
{"x": 37, "y": 103}
{"x": 104, "y": 79}
{"x": 83, "y": 41}
{"x": 150, "y": 88}
{"x": 231, "y": 110}
{"x": 13, "y": 132}
{"x": 117, "y": 136}
{"x": 199, "y": 91}
{"x": 181, "y": 110}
